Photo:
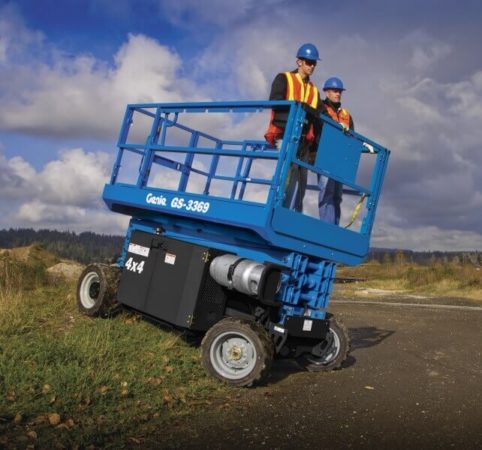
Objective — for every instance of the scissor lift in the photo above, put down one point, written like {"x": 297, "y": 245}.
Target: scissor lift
{"x": 213, "y": 246}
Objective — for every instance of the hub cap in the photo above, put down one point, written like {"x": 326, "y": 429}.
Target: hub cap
{"x": 233, "y": 355}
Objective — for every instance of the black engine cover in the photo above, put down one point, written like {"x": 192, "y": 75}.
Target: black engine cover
{"x": 169, "y": 280}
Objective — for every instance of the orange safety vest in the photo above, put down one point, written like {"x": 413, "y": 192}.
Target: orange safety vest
{"x": 298, "y": 90}
{"x": 340, "y": 116}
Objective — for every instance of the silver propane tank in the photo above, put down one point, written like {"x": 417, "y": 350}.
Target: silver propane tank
{"x": 243, "y": 275}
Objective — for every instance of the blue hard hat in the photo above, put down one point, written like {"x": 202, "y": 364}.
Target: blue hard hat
{"x": 333, "y": 83}
{"x": 308, "y": 51}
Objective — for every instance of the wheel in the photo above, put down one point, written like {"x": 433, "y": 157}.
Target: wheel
{"x": 97, "y": 288}
{"x": 237, "y": 351}
{"x": 331, "y": 352}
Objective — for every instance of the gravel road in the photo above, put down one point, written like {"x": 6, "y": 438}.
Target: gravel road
{"x": 413, "y": 380}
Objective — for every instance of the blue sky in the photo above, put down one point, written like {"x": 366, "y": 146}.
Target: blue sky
{"x": 413, "y": 71}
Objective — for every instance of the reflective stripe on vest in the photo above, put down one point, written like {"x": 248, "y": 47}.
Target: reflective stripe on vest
{"x": 340, "y": 116}
{"x": 297, "y": 89}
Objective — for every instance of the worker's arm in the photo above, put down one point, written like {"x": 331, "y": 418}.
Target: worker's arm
{"x": 278, "y": 88}
{"x": 278, "y": 92}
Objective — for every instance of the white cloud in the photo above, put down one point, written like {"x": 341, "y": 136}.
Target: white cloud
{"x": 426, "y": 238}
{"x": 76, "y": 178}
{"x": 464, "y": 98}
{"x": 421, "y": 111}
{"x": 38, "y": 215}
{"x": 65, "y": 193}
{"x": 15, "y": 37}
{"x": 15, "y": 174}
{"x": 424, "y": 57}
{"x": 37, "y": 212}
{"x": 84, "y": 96}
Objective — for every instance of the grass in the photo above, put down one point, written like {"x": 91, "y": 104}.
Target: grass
{"x": 19, "y": 274}
{"x": 71, "y": 380}
{"x": 440, "y": 279}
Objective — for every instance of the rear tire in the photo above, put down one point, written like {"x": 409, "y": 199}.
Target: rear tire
{"x": 238, "y": 352}
{"x": 335, "y": 350}
{"x": 97, "y": 289}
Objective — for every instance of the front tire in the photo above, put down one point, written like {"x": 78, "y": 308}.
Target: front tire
{"x": 334, "y": 350}
{"x": 238, "y": 352}
{"x": 97, "y": 289}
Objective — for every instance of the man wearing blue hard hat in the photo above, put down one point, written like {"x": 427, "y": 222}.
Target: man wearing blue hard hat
{"x": 296, "y": 85}
{"x": 330, "y": 195}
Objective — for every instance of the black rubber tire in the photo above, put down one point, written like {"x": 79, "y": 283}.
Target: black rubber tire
{"x": 97, "y": 290}
{"x": 334, "y": 355}
{"x": 241, "y": 340}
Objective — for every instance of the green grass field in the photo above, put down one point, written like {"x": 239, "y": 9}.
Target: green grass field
{"x": 71, "y": 380}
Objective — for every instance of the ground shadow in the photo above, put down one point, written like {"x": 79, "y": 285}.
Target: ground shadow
{"x": 282, "y": 368}
{"x": 364, "y": 337}
{"x": 349, "y": 361}
{"x": 361, "y": 337}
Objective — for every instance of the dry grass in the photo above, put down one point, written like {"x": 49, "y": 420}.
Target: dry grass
{"x": 442, "y": 279}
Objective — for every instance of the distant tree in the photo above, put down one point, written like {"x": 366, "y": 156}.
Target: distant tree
{"x": 400, "y": 258}
{"x": 387, "y": 259}
{"x": 472, "y": 258}
{"x": 388, "y": 256}
{"x": 84, "y": 247}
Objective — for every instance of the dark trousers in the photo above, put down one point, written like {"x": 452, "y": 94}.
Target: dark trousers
{"x": 297, "y": 180}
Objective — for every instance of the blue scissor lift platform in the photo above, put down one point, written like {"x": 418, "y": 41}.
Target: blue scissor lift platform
{"x": 213, "y": 244}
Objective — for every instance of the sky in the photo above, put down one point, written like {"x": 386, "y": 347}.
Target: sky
{"x": 413, "y": 72}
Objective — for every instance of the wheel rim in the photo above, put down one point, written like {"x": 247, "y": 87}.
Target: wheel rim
{"x": 233, "y": 355}
{"x": 89, "y": 290}
{"x": 331, "y": 352}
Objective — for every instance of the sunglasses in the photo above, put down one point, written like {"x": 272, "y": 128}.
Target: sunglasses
{"x": 309, "y": 62}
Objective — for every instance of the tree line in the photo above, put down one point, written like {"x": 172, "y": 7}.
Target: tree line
{"x": 84, "y": 247}
{"x": 90, "y": 247}
{"x": 397, "y": 256}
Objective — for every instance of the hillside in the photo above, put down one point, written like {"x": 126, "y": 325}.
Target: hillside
{"x": 30, "y": 266}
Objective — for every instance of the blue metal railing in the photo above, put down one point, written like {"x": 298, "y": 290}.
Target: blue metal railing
{"x": 338, "y": 158}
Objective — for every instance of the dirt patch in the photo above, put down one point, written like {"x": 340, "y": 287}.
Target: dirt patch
{"x": 67, "y": 270}
{"x": 384, "y": 292}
